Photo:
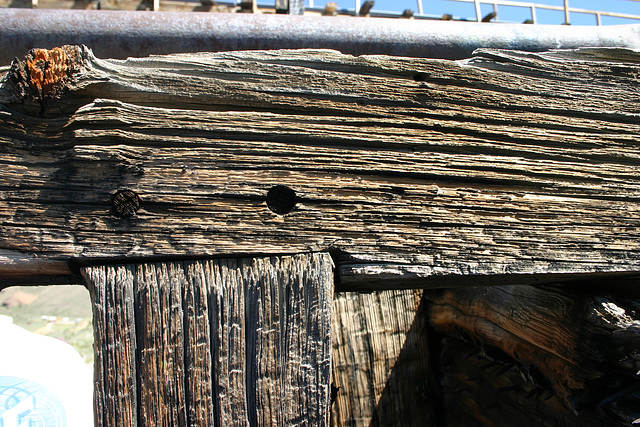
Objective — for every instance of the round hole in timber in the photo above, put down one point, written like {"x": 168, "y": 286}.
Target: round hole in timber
{"x": 281, "y": 199}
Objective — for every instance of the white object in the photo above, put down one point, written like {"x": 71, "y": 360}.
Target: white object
{"x": 43, "y": 381}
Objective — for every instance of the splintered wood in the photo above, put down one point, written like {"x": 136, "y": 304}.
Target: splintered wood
{"x": 506, "y": 163}
{"x": 219, "y": 342}
{"x": 43, "y": 75}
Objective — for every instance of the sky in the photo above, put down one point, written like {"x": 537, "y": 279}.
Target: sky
{"x": 507, "y": 13}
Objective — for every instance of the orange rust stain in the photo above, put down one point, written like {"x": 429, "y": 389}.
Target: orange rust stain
{"x": 47, "y": 68}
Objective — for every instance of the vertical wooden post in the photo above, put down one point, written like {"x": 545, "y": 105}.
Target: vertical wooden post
{"x": 291, "y": 7}
{"x": 249, "y": 6}
{"x": 215, "y": 342}
{"x": 381, "y": 360}
{"x": 115, "y": 389}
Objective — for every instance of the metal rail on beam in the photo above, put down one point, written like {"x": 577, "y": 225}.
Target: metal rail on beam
{"x": 120, "y": 34}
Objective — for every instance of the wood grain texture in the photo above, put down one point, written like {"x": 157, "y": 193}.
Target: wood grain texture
{"x": 161, "y": 334}
{"x": 219, "y": 342}
{"x": 381, "y": 360}
{"x": 580, "y": 343}
{"x": 505, "y": 163}
{"x": 197, "y": 347}
{"x": 115, "y": 345}
{"x": 481, "y": 391}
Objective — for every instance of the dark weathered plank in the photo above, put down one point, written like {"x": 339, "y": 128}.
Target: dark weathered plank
{"x": 218, "y": 342}
{"x": 381, "y": 360}
{"x": 116, "y": 389}
{"x": 506, "y": 163}
{"x": 483, "y": 392}
{"x": 20, "y": 269}
{"x": 161, "y": 335}
{"x": 579, "y": 344}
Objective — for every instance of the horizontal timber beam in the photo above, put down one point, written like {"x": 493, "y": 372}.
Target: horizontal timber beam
{"x": 368, "y": 277}
{"x": 20, "y": 270}
{"x": 507, "y": 164}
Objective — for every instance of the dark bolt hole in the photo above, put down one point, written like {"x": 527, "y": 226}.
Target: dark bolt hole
{"x": 420, "y": 77}
{"x": 281, "y": 199}
{"x": 125, "y": 203}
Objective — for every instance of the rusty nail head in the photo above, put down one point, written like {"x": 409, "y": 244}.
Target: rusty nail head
{"x": 125, "y": 203}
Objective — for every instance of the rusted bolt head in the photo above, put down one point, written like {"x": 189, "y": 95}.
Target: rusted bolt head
{"x": 125, "y": 203}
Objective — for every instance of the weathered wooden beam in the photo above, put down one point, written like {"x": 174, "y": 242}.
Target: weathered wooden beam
{"x": 369, "y": 276}
{"x": 366, "y": 8}
{"x": 221, "y": 342}
{"x": 508, "y": 163}
{"x": 576, "y": 344}
{"x": 19, "y": 269}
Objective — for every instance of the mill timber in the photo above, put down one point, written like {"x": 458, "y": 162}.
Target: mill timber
{"x": 490, "y": 166}
{"x": 213, "y": 202}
